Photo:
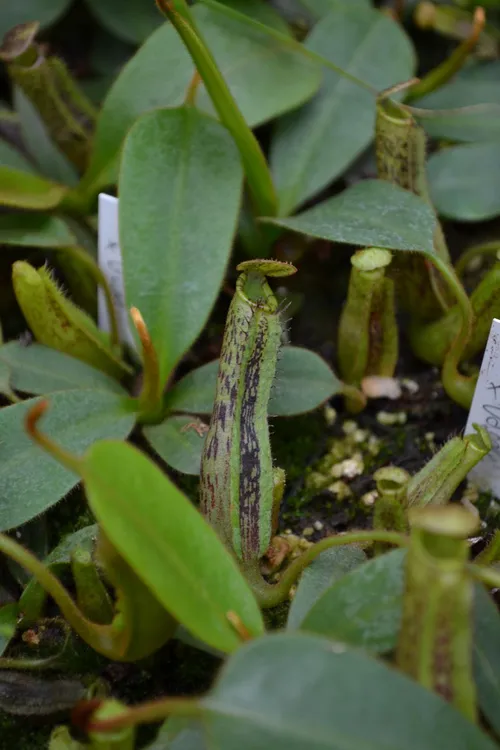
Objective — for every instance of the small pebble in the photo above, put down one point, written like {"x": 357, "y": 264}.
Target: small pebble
{"x": 369, "y": 497}
{"x": 411, "y": 385}
{"x": 375, "y": 386}
{"x": 389, "y": 418}
{"x": 308, "y": 531}
{"x": 318, "y": 525}
{"x": 330, "y": 415}
{"x": 349, "y": 426}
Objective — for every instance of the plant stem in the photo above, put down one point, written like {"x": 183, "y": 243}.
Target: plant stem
{"x": 459, "y": 387}
{"x": 257, "y": 171}
{"x": 447, "y": 69}
{"x": 485, "y": 248}
{"x": 270, "y": 595}
{"x": 148, "y": 712}
{"x": 489, "y": 576}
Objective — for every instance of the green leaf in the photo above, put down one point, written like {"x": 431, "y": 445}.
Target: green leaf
{"x": 303, "y": 382}
{"x": 169, "y": 544}
{"x": 320, "y": 8}
{"x": 50, "y": 160}
{"x": 180, "y": 188}
{"x": 487, "y": 655}
{"x": 316, "y": 143}
{"x": 328, "y": 567}
{"x": 178, "y": 442}
{"x": 364, "y": 607}
{"x": 34, "y": 230}
{"x": 296, "y": 691}
{"x": 259, "y": 11}
{"x": 465, "y": 181}
{"x": 23, "y": 190}
{"x": 5, "y": 379}
{"x": 12, "y": 157}
{"x": 44, "y": 11}
{"x": 265, "y": 76}
{"x": 371, "y": 213}
{"x": 37, "y": 369}
{"x": 8, "y": 622}
{"x": 467, "y": 109}
{"x": 130, "y": 20}
{"x": 32, "y": 481}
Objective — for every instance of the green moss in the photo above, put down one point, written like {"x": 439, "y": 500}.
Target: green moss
{"x": 23, "y": 734}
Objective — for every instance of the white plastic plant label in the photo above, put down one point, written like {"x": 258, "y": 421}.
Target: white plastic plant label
{"x": 485, "y": 410}
{"x": 110, "y": 262}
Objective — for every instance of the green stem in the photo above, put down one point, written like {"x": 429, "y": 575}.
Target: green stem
{"x": 270, "y": 595}
{"x": 108, "y": 640}
{"x": 486, "y": 248}
{"x": 150, "y": 397}
{"x": 489, "y": 576}
{"x": 257, "y": 170}
{"x": 148, "y": 712}
{"x": 85, "y": 259}
{"x": 459, "y": 387}
{"x": 447, "y": 69}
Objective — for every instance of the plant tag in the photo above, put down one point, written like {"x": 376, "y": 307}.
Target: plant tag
{"x": 485, "y": 410}
{"x": 110, "y": 262}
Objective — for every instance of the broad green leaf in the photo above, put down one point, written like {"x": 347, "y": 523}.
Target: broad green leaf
{"x": 8, "y": 622}
{"x": 34, "y": 230}
{"x": 50, "y": 160}
{"x": 314, "y": 145}
{"x": 480, "y": 122}
{"x": 265, "y": 76}
{"x": 372, "y": 212}
{"x": 296, "y": 691}
{"x": 487, "y": 655}
{"x": 10, "y": 156}
{"x": 168, "y": 544}
{"x": 131, "y": 20}
{"x": 303, "y": 382}
{"x": 259, "y": 11}
{"x": 37, "y": 369}
{"x": 178, "y": 734}
{"x": 23, "y": 190}
{"x": 328, "y": 567}
{"x": 44, "y": 11}
{"x": 32, "y": 481}
{"x": 364, "y": 607}
{"x": 465, "y": 181}
{"x": 320, "y": 8}
{"x": 34, "y": 596}
{"x": 179, "y": 441}
{"x": 180, "y": 188}
{"x": 5, "y": 379}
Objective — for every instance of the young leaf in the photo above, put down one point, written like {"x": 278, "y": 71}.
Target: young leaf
{"x": 331, "y": 565}
{"x": 266, "y": 78}
{"x": 487, "y": 655}
{"x": 364, "y": 607}
{"x": 169, "y": 545}
{"x": 179, "y": 441}
{"x": 34, "y": 230}
{"x": 465, "y": 181}
{"x": 314, "y": 144}
{"x": 180, "y": 188}
{"x": 30, "y": 480}
{"x": 37, "y": 369}
{"x": 372, "y": 213}
{"x": 23, "y": 190}
{"x": 303, "y": 382}
{"x": 291, "y": 691}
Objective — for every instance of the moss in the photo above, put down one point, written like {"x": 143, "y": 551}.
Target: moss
{"x": 295, "y": 440}
{"x": 23, "y": 734}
